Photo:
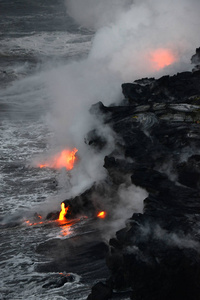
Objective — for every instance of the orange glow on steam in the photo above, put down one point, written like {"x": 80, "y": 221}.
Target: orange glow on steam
{"x": 64, "y": 159}
{"x": 101, "y": 215}
{"x": 161, "y": 58}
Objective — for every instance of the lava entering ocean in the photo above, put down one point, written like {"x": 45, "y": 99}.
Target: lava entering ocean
{"x": 61, "y": 221}
{"x": 63, "y": 212}
{"x": 64, "y": 159}
{"x": 34, "y": 223}
{"x": 101, "y": 215}
{"x": 161, "y": 58}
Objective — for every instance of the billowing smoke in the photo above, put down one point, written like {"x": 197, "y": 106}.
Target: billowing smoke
{"x": 132, "y": 39}
{"x": 130, "y": 200}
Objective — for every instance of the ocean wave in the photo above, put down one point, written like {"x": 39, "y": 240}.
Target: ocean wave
{"x": 45, "y": 43}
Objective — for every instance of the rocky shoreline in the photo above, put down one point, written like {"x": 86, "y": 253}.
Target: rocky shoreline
{"x": 157, "y": 146}
{"x": 157, "y": 254}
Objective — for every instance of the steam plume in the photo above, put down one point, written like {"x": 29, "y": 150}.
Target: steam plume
{"x": 127, "y": 35}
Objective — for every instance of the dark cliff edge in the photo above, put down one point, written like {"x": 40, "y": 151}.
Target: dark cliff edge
{"x": 157, "y": 255}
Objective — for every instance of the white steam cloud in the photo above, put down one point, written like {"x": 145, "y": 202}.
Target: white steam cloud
{"x": 130, "y": 31}
{"x": 128, "y": 34}
{"x": 130, "y": 200}
{"x": 96, "y": 13}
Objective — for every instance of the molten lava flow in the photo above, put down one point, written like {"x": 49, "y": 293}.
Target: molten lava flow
{"x": 64, "y": 159}
{"x": 35, "y": 221}
{"x": 161, "y": 58}
{"x": 65, "y": 275}
{"x": 101, "y": 215}
{"x": 63, "y": 212}
{"x": 33, "y": 224}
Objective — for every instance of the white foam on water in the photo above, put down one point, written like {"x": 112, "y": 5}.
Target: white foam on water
{"x": 46, "y": 43}
{"x": 19, "y": 280}
{"x": 25, "y": 188}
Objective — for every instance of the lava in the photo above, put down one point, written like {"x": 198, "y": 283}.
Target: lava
{"x": 63, "y": 212}
{"x": 64, "y": 159}
{"x": 65, "y": 275}
{"x": 34, "y": 223}
{"x": 64, "y": 224}
{"x": 101, "y": 215}
{"x": 37, "y": 220}
{"x": 161, "y": 58}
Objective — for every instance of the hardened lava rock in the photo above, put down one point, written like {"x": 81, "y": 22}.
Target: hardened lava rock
{"x": 156, "y": 255}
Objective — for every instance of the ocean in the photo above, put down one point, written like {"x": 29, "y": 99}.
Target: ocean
{"x": 35, "y": 37}
{"x": 57, "y": 58}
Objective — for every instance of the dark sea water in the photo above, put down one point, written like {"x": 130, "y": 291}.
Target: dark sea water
{"x": 35, "y": 37}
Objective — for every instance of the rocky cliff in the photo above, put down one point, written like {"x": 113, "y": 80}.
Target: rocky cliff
{"x": 157, "y": 255}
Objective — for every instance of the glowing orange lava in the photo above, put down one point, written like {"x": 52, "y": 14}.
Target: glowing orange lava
{"x": 64, "y": 159}
{"x": 162, "y": 58}
{"x": 63, "y": 212}
{"x": 33, "y": 224}
{"x": 101, "y": 215}
{"x": 65, "y": 275}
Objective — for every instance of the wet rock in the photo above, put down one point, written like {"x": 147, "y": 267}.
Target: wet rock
{"x": 53, "y": 215}
{"x": 100, "y": 291}
{"x": 59, "y": 280}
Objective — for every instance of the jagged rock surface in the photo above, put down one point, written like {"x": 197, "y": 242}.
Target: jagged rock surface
{"x": 157, "y": 145}
{"x": 158, "y": 137}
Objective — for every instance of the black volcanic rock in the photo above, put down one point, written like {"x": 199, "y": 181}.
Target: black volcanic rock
{"x": 58, "y": 280}
{"x": 90, "y": 201}
{"x": 189, "y": 172}
{"x": 100, "y": 291}
{"x": 196, "y": 57}
{"x": 156, "y": 255}
{"x": 52, "y": 215}
{"x": 158, "y": 138}
{"x": 181, "y": 87}
{"x": 94, "y": 139}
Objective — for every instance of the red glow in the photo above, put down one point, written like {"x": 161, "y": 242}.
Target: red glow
{"x": 64, "y": 159}
{"x": 101, "y": 215}
{"x": 162, "y": 58}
